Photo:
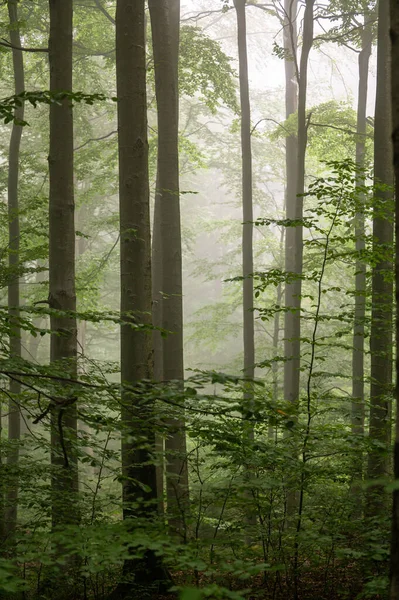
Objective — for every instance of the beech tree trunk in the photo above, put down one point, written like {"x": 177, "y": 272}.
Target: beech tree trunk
{"x": 294, "y": 235}
{"x": 294, "y": 211}
{"x": 62, "y": 295}
{"x": 358, "y": 411}
{"x": 138, "y": 438}
{"x": 167, "y": 250}
{"x": 247, "y": 205}
{"x": 14, "y": 419}
{"x": 247, "y": 241}
{"x": 382, "y": 287}
{"x": 394, "y": 31}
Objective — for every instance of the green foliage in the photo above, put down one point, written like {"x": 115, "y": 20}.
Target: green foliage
{"x": 8, "y": 105}
{"x": 205, "y": 69}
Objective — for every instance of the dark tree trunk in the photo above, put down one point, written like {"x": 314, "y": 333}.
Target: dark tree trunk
{"x": 394, "y": 567}
{"x": 14, "y": 419}
{"x": 167, "y": 249}
{"x": 247, "y": 206}
{"x": 62, "y": 295}
{"x": 382, "y": 287}
{"x": 247, "y": 239}
{"x": 140, "y": 505}
{"x": 357, "y": 417}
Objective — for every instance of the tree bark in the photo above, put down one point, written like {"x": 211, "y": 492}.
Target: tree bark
{"x": 14, "y": 419}
{"x": 272, "y": 431}
{"x": 382, "y": 287}
{"x": 247, "y": 241}
{"x": 291, "y": 346}
{"x": 62, "y": 297}
{"x": 294, "y": 236}
{"x": 357, "y": 409}
{"x": 394, "y": 33}
{"x": 167, "y": 250}
{"x": 138, "y": 439}
{"x": 294, "y": 211}
{"x": 247, "y": 204}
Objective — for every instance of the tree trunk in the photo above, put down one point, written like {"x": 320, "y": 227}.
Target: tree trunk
{"x": 139, "y": 477}
{"x": 291, "y": 345}
{"x": 382, "y": 287}
{"x": 14, "y": 419}
{"x": 167, "y": 247}
{"x": 247, "y": 240}
{"x": 294, "y": 236}
{"x": 62, "y": 266}
{"x": 394, "y": 567}
{"x": 357, "y": 416}
{"x": 272, "y": 431}
{"x": 247, "y": 206}
{"x": 294, "y": 211}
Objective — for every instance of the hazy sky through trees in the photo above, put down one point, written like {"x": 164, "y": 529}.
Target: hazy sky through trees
{"x": 332, "y": 68}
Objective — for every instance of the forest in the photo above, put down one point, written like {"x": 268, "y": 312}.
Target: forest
{"x": 199, "y": 313}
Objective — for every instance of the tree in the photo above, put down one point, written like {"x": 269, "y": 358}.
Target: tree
{"x": 358, "y": 408}
{"x": 14, "y": 423}
{"x": 394, "y": 33}
{"x": 62, "y": 296}
{"x": 247, "y": 206}
{"x": 138, "y": 435}
{"x": 167, "y": 252}
{"x": 294, "y": 212}
{"x": 382, "y": 285}
{"x": 247, "y": 227}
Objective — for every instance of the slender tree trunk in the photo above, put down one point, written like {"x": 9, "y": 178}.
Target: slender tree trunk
{"x": 14, "y": 423}
{"x": 62, "y": 266}
{"x": 294, "y": 237}
{"x": 290, "y": 37}
{"x": 167, "y": 231}
{"x": 382, "y": 287}
{"x": 276, "y": 336}
{"x": 291, "y": 319}
{"x": 357, "y": 418}
{"x": 247, "y": 236}
{"x": 394, "y": 567}
{"x": 247, "y": 205}
{"x": 139, "y": 488}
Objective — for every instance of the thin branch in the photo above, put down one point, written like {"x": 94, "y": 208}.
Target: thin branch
{"x": 105, "y": 12}
{"x": 8, "y": 44}
{"x": 104, "y": 137}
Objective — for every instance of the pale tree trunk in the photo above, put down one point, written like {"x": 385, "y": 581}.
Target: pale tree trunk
{"x": 14, "y": 419}
{"x": 394, "y": 30}
{"x": 62, "y": 296}
{"x": 294, "y": 235}
{"x": 357, "y": 409}
{"x": 290, "y": 36}
{"x": 382, "y": 287}
{"x": 139, "y": 487}
{"x": 272, "y": 431}
{"x": 291, "y": 345}
{"x": 167, "y": 242}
